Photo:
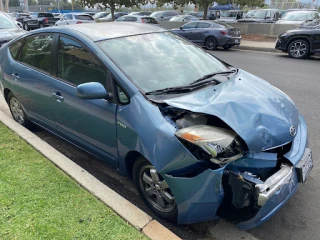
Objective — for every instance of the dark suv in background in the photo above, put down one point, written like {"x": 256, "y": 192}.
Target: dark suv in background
{"x": 302, "y": 42}
{"x": 39, "y": 20}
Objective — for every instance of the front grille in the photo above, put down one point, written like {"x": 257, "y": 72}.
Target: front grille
{"x": 280, "y": 150}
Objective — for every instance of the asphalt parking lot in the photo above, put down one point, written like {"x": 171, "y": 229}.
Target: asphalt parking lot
{"x": 299, "y": 217}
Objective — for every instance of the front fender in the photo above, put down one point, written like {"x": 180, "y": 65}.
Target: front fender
{"x": 142, "y": 128}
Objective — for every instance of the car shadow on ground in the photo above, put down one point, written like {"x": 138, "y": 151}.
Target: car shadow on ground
{"x": 311, "y": 58}
{"x": 121, "y": 184}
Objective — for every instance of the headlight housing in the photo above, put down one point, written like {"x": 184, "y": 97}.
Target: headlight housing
{"x": 221, "y": 144}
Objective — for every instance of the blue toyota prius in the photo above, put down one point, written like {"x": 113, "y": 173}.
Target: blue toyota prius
{"x": 200, "y": 138}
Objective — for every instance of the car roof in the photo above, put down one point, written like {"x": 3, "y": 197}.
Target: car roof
{"x": 104, "y": 31}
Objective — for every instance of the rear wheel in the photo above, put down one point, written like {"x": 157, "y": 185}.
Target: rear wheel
{"x": 17, "y": 111}
{"x": 154, "y": 190}
{"x": 211, "y": 43}
{"x": 299, "y": 49}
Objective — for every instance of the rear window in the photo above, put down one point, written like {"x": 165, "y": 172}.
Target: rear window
{"x": 83, "y": 17}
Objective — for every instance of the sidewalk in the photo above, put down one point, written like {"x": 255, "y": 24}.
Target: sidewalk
{"x": 257, "y": 46}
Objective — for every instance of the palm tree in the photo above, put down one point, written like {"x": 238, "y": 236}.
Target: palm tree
{"x": 7, "y": 6}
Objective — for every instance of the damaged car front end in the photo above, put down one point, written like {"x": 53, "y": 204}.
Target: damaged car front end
{"x": 249, "y": 164}
{"x": 212, "y": 140}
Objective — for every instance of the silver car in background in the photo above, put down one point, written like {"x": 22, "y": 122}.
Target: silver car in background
{"x": 230, "y": 16}
{"x": 138, "y": 19}
{"x": 184, "y": 18}
{"x": 210, "y": 34}
{"x": 74, "y": 18}
{"x": 164, "y": 15}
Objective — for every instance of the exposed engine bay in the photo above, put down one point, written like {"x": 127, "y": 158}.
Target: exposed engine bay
{"x": 216, "y": 145}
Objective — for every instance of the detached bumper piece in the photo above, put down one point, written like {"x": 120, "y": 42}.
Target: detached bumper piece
{"x": 274, "y": 183}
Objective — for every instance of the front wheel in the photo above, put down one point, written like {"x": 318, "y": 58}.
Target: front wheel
{"x": 25, "y": 26}
{"x": 211, "y": 43}
{"x": 154, "y": 190}
{"x": 17, "y": 111}
{"x": 299, "y": 49}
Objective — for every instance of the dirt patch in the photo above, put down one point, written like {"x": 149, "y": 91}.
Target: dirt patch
{"x": 258, "y": 38}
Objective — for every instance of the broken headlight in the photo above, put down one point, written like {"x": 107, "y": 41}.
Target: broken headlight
{"x": 221, "y": 144}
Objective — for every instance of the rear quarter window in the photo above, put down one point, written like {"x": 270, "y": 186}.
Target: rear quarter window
{"x": 15, "y": 49}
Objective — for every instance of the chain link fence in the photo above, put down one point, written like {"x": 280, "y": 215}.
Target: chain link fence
{"x": 293, "y": 5}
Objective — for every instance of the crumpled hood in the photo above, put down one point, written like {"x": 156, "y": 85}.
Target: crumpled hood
{"x": 258, "y": 112}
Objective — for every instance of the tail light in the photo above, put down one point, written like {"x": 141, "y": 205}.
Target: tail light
{"x": 78, "y": 22}
{"x": 142, "y": 20}
{"x": 224, "y": 32}
{"x": 46, "y": 20}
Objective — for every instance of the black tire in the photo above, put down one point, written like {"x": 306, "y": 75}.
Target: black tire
{"x": 156, "y": 189}
{"x": 25, "y": 26}
{"x": 211, "y": 43}
{"x": 17, "y": 111}
{"x": 299, "y": 49}
{"x": 226, "y": 47}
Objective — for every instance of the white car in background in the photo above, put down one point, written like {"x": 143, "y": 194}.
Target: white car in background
{"x": 74, "y": 18}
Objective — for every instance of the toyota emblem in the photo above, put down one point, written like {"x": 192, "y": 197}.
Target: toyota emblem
{"x": 293, "y": 131}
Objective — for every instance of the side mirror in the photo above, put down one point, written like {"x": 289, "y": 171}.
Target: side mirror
{"x": 91, "y": 90}
{"x": 181, "y": 28}
{"x": 161, "y": 16}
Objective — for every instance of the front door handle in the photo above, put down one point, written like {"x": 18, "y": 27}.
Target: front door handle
{"x": 58, "y": 96}
{"x": 15, "y": 76}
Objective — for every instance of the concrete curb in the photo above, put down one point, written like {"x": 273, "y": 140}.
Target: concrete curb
{"x": 136, "y": 217}
{"x": 259, "y": 49}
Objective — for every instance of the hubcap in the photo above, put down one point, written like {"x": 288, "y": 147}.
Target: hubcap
{"x": 16, "y": 110}
{"x": 156, "y": 190}
{"x": 298, "y": 49}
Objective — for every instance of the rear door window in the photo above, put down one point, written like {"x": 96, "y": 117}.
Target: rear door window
{"x": 203, "y": 25}
{"x": 36, "y": 52}
{"x": 76, "y": 65}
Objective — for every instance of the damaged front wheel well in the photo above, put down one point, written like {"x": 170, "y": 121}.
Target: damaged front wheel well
{"x": 130, "y": 159}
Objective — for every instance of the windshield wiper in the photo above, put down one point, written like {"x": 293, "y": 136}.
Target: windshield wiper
{"x": 180, "y": 89}
{"x": 211, "y": 75}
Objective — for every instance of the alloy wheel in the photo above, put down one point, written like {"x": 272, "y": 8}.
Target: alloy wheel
{"x": 156, "y": 190}
{"x": 298, "y": 49}
{"x": 17, "y": 110}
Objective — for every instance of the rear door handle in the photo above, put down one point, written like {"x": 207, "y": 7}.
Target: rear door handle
{"x": 58, "y": 96}
{"x": 15, "y": 76}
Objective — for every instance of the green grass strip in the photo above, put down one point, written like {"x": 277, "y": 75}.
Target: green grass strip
{"x": 39, "y": 201}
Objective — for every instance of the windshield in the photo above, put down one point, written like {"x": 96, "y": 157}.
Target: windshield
{"x": 229, "y": 14}
{"x": 6, "y": 23}
{"x": 156, "y": 14}
{"x": 298, "y": 16}
{"x": 160, "y": 60}
{"x": 256, "y": 14}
